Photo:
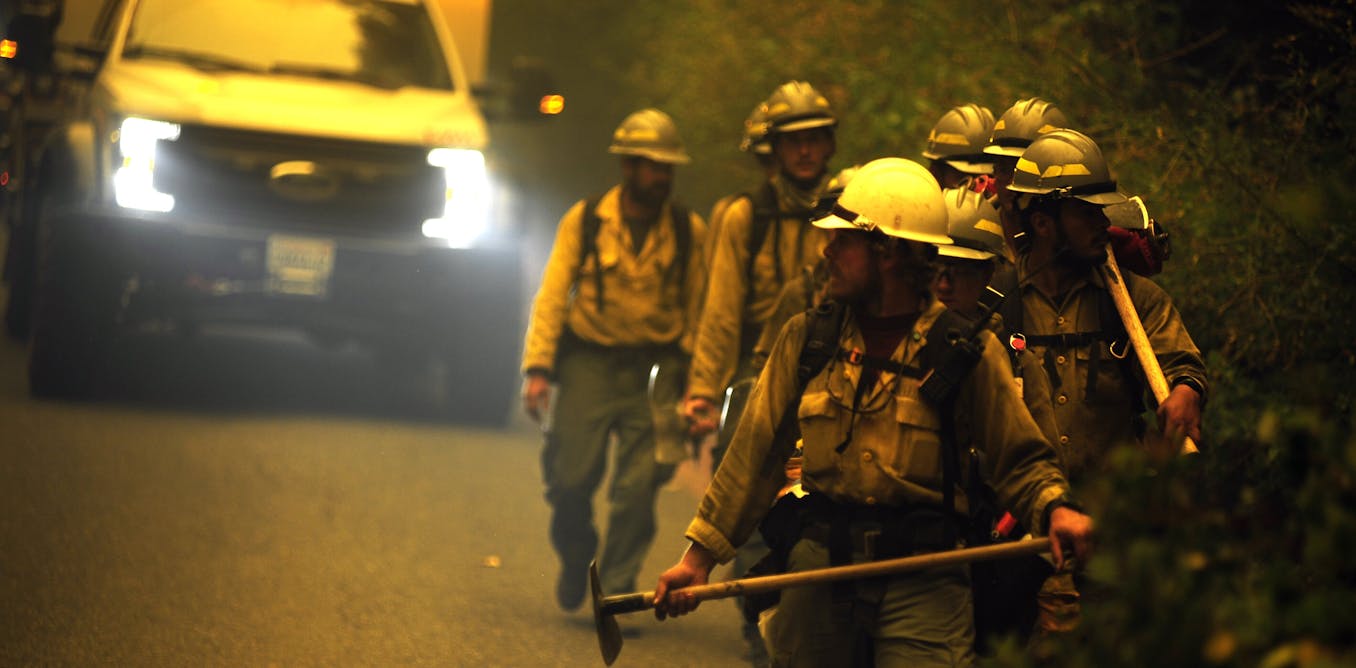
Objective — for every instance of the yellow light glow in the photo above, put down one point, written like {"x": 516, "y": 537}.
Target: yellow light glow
{"x": 552, "y": 104}
{"x": 8, "y": 48}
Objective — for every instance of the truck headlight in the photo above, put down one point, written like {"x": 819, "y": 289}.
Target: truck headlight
{"x": 466, "y": 203}
{"x": 133, "y": 181}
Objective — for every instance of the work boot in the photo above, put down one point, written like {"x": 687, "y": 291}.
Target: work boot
{"x": 571, "y": 586}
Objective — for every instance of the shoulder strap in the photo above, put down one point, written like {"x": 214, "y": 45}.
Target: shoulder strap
{"x": 588, "y": 244}
{"x": 764, "y": 203}
{"x": 682, "y": 235}
{"x": 1005, "y": 281}
{"x": 823, "y": 324}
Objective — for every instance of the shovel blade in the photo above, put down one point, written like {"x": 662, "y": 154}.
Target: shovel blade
{"x": 609, "y": 633}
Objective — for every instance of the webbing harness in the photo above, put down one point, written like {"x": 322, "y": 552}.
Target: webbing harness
{"x": 1111, "y": 332}
{"x": 682, "y": 229}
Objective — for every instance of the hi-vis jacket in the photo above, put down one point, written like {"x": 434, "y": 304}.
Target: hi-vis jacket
{"x": 894, "y": 456}
{"x": 642, "y": 306}
{"x": 732, "y": 317}
{"x": 1092, "y": 423}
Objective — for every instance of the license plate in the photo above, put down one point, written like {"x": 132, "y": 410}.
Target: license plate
{"x": 300, "y": 265}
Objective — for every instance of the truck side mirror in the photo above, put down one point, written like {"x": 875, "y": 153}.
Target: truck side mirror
{"x": 30, "y": 40}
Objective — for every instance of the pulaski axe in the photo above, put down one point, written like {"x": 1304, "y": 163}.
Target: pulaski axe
{"x": 1139, "y": 340}
{"x": 605, "y": 608}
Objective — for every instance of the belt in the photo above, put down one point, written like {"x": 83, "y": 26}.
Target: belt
{"x": 875, "y": 532}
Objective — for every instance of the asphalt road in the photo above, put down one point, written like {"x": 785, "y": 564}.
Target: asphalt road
{"x": 246, "y": 501}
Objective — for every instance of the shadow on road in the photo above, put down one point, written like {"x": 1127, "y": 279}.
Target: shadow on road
{"x": 256, "y": 371}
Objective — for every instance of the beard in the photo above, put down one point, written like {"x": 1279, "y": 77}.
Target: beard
{"x": 1075, "y": 262}
{"x": 653, "y": 196}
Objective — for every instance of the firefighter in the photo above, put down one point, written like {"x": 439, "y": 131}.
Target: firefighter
{"x": 619, "y": 294}
{"x": 765, "y": 240}
{"x": 955, "y": 148}
{"x": 1065, "y": 203}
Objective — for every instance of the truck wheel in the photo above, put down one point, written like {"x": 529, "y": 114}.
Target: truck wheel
{"x": 475, "y": 387}
{"x": 75, "y": 302}
{"x": 19, "y": 271}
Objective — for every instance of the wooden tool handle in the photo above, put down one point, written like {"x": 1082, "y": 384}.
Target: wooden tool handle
{"x": 1139, "y": 339}
{"x": 624, "y": 603}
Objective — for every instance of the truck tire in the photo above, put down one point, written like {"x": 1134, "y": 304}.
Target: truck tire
{"x": 19, "y": 259}
{"x": 75, "y": 303}
{"x": 19, "y": 250}
{"x": 476, "y": 387}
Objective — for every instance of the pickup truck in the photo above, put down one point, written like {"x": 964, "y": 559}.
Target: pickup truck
{"x": 317, "y": 165}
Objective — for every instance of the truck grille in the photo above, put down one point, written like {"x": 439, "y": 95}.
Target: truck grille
{"x": 313, "y": 184}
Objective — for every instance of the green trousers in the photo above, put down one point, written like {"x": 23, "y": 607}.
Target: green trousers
{"x": 602, "y": 394}
{"x": 914, "y": 619}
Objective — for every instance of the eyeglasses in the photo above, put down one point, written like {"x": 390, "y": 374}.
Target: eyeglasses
{"x": 962, "y": 271}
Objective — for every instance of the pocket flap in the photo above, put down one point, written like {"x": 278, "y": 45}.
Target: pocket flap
{"x": 817, "y": 404}
{"x": 916, "y": 413}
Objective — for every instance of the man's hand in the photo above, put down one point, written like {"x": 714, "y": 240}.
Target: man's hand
{"x": 702, "y": 415}
{"x": 1180, "y": 414}
{"x": 536, "y": 395}
{"x": 691, "y": 570}
{"x": 1070, "y": 528}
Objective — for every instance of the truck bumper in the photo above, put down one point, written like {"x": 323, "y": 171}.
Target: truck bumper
{"x": 383, "y": 291}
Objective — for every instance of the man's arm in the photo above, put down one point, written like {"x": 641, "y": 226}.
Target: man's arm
{"x": 716, "y": 350}
{"x": 1026, "y": 472}
{"x": 694, "y": 291}
{"x": 549, "y": 310}
{"x": 1183, "y": 366}
{"x": 715, "y": 347}
{"x": 753, "y": 470}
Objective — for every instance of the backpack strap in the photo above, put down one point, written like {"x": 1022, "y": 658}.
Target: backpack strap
{"x": 823, "y": 324}
{"x": 588, "y": 244}
{"x": 682, "y": 235}
{"x": 764, "y": 203}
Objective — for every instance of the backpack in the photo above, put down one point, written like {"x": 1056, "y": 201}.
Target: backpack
{"x": 682, "y": 229}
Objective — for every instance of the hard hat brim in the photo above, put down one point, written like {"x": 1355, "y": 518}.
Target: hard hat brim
{"x": 970, "y": 167}
{"x": 964, "y": 252}
{"x": 1130, "y": 214}
{"x": 833, "y": 222}
{"x": 1010, "y": 151}
{"x": 1104, "y": 199}
{"x": 667, "y": 157}
{"x": 802, "y": 124}
{"x": 836, "y": 222}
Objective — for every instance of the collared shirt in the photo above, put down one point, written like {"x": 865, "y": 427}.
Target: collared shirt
{"x": 642, "y": 305}
{"x": 1091, "y": 424}
{"x": 894, "y": 455}
{"x": 732, "y": 317}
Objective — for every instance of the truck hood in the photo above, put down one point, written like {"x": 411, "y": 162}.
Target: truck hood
{"x": 291, "y": 104}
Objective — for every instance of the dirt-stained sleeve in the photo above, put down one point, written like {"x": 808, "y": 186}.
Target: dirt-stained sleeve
{"x": 1027, "y": 475}
{"x": 1172, "y": 344}
{"x": 694, "y": 292}
{"x": 752, "y": 471}
{"x": 716, "y": 350}
{"x": 552, "y": 302}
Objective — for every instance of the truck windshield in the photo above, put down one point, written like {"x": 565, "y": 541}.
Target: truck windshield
{"x": 376, "y": 42}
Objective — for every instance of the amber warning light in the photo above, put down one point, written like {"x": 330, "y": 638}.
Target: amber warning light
{"x": 552, "y": 104}
{"x": 8, "y": 48}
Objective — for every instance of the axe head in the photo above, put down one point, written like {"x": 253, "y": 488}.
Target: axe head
{"x": 609, "y": 633}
